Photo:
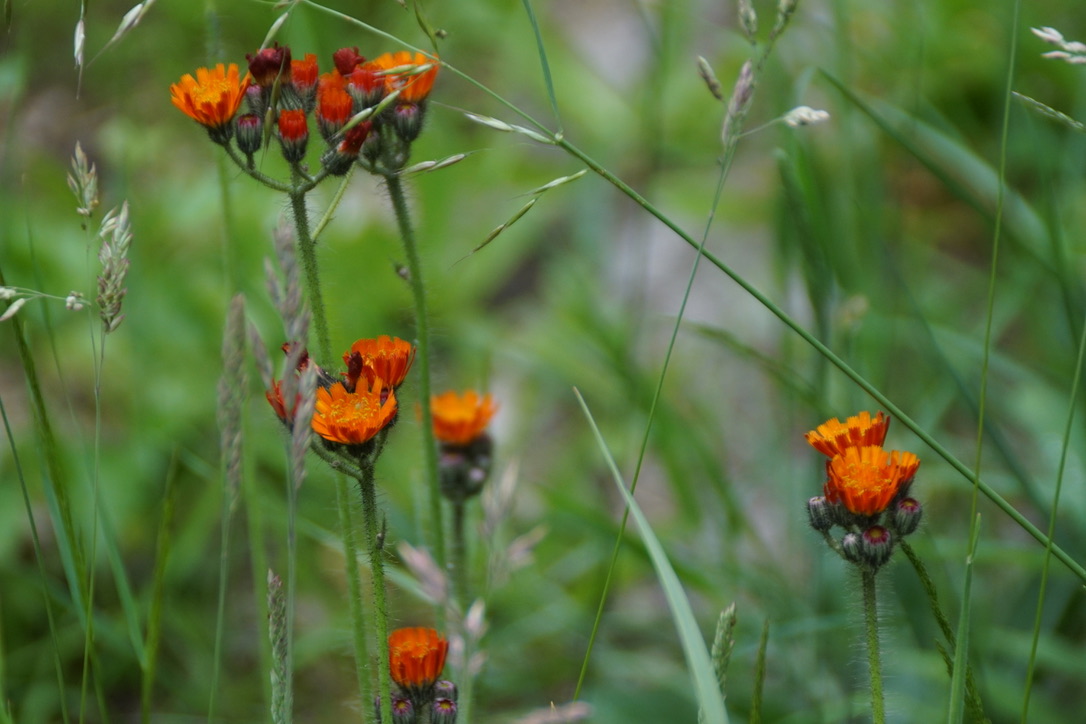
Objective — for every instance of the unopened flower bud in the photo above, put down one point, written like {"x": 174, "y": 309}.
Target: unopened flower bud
{"x": 407, "y": 120}
{"x": 249, "y": 133}
{"x": 443, "y": 712}
{"x": 907, "y": 516}
{"x": 293, "y": 134}
{"x": 446, "y": 690}
{"x": 850, "y": 545}
{"x": 821, "y": 514}
{"x": 403, "y": 711}
{"x": 876, "y": 545}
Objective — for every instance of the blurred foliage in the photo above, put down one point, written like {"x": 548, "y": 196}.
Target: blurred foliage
{"x": 875, "y": 228}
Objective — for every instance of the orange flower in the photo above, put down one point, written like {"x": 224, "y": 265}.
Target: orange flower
{"x": 212, "y": 98}
{"x": 384, "y": 358}
{"x": 416, "y": 657}
{"x": 833, "y": 437}
{"x": 303, "y": 73}
{"x": 333, "y": 104}
{"x": 865, "y": 479}
{"x": 460, "y": 419}
{"x": 415, "y": 86}
{"x": 352, "y": 418}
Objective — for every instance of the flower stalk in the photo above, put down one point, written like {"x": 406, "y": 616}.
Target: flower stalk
{"x": 871, "y": 631}
{"x": 422, "y": 330}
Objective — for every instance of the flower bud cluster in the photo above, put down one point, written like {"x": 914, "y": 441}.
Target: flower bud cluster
{"x": 366, "y": 111}
{"x": 866, "y": 492}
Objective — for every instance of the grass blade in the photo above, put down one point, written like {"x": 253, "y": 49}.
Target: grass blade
{"x": 697, "y": 655}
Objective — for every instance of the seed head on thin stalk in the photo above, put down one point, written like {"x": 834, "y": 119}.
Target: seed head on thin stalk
{"x": 1070, "y": 51}
{"x": 83, "y": 181}
{"x": 116, "y": 235}
{"x": 232, "y": 386}
{"x": 738, "y": 105}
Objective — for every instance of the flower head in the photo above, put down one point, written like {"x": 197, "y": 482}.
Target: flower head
{"x": 293, "y": 134}
{"x": 416, "y": 657}
{"x": 384, "y": 358}
{"x": 334, "y": 104}
{"x": 866, "y": 479}
{"x": 346, "y": 59}
{"x": 413, "y": 85}
{"x": 267, "y": 65}
{"x": 211, "y": 98}
{"x": 833, "y": 437}
{"x": 352, "y": 418}
{"x": 460, "y": 419}
{"x": 303, "y": 76}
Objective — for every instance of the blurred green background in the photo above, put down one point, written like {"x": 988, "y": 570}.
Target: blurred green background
{"x": 875, "y": 230}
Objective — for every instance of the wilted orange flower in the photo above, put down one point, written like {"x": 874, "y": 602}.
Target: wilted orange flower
{"x": 385, "y": 358}
{"x": 460, "y": 419}
{"x": 212, "y": 98}
{"x": 415, "y": 87}
{"x": 275, "y": 399}
{"x": 834, "y": 436}
{"x": 416, "y": 657}
{"x": 865, "y": 479}
{"x": 352, "y": 418}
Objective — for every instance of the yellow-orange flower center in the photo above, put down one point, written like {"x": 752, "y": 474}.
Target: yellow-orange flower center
{"x": 865, "y": 479}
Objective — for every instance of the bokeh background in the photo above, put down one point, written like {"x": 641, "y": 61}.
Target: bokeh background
{"x": 875, "y": 230}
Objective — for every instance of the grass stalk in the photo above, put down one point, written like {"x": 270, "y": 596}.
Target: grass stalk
{"x": 1072, "y": 402}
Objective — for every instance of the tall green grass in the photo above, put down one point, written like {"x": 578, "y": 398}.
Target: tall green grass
{"x": 847, "y": 266}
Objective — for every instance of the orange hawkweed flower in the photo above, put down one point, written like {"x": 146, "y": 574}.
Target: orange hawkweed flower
{"x": 212, "y": 98}
{"x": 460, "y": 419}
{"x": 833, "y": 437}
{"x": 353, "y": 418}
{"x": 414, "y": 87}
{"x": 416, "y": 657}
{"x": 385, "y": 358}
{"x": 865, "y": 479}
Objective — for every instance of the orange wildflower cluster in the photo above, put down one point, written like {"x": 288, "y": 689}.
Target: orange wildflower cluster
{"x": 354, "y": 410}
{"x": 863, "y": 481}
{"x": 296, "y": 89}
{"x": 860, "y": 474}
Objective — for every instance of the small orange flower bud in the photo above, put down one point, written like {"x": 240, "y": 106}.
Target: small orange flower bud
{"x": 416, "y": 657}
{"x": 293, "y": 134}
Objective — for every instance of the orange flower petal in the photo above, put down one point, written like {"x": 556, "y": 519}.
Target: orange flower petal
{"x": 833, "y": 437}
